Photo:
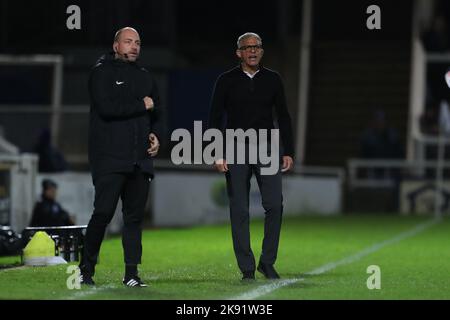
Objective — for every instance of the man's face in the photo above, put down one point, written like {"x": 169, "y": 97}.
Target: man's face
{"x": 250, "y": 51}
{"x": 128, "y": 46}
{"x": 50, "y": 193}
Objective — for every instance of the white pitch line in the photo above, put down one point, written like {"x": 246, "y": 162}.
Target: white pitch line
{"x": 13, "y": 268}
{"x": 91, "y": 291}
{"x": 268, "y": 288}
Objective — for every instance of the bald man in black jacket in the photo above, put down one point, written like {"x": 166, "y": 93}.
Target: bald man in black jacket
{"x": 123, "y": 138}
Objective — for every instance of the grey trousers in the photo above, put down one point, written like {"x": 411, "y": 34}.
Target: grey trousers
{"x": 238, "y": 187}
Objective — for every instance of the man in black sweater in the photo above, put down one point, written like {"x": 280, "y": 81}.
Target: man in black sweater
{"x": 123, "y": 136}
{"x": 246, "y": 96}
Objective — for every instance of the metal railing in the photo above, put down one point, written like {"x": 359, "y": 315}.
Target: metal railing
{"x": 412, "y": 169}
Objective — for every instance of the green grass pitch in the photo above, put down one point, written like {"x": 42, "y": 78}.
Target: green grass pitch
{"x": 198, "y": 263}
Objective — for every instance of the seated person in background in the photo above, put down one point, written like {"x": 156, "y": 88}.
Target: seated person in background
{"x": 48, "y": 212}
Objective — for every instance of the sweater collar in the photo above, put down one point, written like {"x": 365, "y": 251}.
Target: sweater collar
{"x": 110, "y": 58}
{"x": 247, "y": 73}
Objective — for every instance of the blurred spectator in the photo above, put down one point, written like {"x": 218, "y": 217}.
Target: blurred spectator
{"x": 436, "y": 38}
{"x": 50, "y": 159}
{"x": 48, "y": 212}
{"x": 380, "y": 141}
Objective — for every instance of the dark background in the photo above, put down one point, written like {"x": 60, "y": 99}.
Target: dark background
{"x": 187, "y": 44}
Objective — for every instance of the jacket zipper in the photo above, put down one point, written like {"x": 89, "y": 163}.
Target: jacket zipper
{"x": 135, "y": 142}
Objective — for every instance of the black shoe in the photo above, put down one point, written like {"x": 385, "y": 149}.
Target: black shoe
{"x": 248, "y": 275}
{"x": 86, "y": 279}
{"x": 134, "y": 282}
{"x": 268, "y": 271}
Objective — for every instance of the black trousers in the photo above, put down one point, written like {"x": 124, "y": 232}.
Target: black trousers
{"x": 132, "y": 188}
{"x": 238, "y": 187}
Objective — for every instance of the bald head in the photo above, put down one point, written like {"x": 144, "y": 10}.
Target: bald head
{"x": 120, "y": 31}
{"x": 127, "y": 44}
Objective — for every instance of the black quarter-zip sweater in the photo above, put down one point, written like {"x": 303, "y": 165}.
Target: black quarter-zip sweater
{"x": 249, "y": 103}
{"x": 120, "y": 125}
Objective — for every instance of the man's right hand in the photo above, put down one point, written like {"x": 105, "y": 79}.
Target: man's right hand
{"x": 221, "y": 165}
{"x": 148, "y": 103}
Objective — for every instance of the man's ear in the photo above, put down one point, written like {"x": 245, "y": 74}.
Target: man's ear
{"x": 239, "y": 53}
{"x": 115, "y": 47}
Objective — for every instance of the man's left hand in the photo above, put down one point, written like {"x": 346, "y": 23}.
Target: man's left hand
{"x": 154, "y": 145}
{"x": 288, "y": 163}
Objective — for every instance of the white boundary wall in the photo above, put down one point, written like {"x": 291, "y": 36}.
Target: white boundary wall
{"x": 192, "y": 198}
{"x": 186, "y": 198}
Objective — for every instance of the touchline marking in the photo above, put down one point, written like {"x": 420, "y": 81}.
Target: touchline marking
{"x": 268, "y": 288}
{"x": 90, "y": 291}
{"x": 6, "y": 269}
{"x": 78, "y": 295}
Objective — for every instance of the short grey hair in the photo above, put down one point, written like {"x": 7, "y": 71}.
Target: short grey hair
{"x": 248, "y": 35}
{"x": 117, "y": 35}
